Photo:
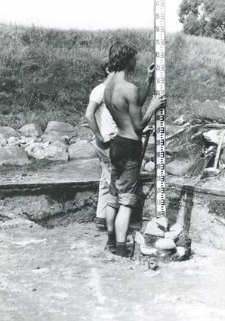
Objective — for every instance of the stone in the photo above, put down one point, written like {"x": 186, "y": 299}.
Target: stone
{"x": 139, "y": 238}
{"x": 46, "y": 151}
{"x": 148, "y": 156}
{"x": 7, "y": 132}
{"x": 13, "y": 155}
{"x": 162, "y": 222}
{"x": 179, "y": 255}
{"x": 181, "y": 250}
{"x": 30, "y": 130}
{"x": 210, "y": 172}
{"x": 35, "y": 145}
{"x": 214, "y": 136}
{"x": 185, "y": 148}
{"x": 197, "y": 169}
{"x": 73, "y": 140}
{"x": 81, "y": 150}
{"x": 146, "y": 250}
{"x": 178, "y": 167}
{"x": 150, "y": 166}
{"x": 176, "y": 229}
{"x": 60, "y": 129}
{"x": 62, "y": 145}
{"x": 150, "y": 240}
{"x": 179, "y": 121}
{"x": 165, "y": 244}
{"x": 84, "y": 132}
{"x": 185, "y": 125}
{"x": 170, "y": 235}
{"x": 3, "y": 141}
{"x": 26, "y": 141}
{"x": 197, "y": 121}
{"x": 50, "y": 138}
{"x": 170, "y": 130}
{"x": 153, "y": 229}
{"x": 13, "y": 140}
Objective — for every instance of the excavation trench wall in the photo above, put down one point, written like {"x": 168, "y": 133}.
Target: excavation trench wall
{"x": 59, "y": 196}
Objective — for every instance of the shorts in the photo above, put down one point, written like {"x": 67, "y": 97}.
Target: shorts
{"x": 125, "y": 155}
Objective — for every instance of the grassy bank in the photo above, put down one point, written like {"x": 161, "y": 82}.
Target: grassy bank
{"x": 48, "y": 74}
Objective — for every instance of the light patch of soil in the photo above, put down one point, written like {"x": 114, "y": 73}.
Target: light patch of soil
{"x": 63, "y": 274}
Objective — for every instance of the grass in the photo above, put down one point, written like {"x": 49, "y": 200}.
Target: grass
{"x": 48, "y": 74}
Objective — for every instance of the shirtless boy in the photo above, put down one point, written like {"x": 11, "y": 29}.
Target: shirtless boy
{"x": 124, "y": 101}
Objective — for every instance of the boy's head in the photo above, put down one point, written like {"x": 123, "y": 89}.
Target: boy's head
{"x": 122, "y": 55}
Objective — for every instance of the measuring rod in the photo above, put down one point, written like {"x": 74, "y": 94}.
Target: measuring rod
{"x": 160, "y": 116}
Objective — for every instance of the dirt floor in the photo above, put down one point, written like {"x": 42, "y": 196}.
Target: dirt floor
{"x": 63, "y": 274}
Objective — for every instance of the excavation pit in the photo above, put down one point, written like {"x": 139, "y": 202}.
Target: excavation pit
{"x": 51, "y": 268}
{"x": 62, "y": 193}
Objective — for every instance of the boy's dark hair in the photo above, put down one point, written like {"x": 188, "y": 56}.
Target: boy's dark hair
{"x": 119, "y": 55}
{"x": 104, "y": 65}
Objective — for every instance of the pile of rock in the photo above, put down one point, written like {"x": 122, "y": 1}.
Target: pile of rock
{"x": 163, "y": 242}
{"x": 191, "y": 143}
{"x": 59, "y": 142}
{"x": 193, "y": 148}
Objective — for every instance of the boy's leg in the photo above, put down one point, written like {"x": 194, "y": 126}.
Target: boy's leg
{"x": 121, "y": 226}
{"x": 103, "y": 154}
{"x": 128, "y": 201}
{"x": 122, "y": 223}
{"x": 111, "y": 212}
{"x": 110, "y": 223}
{"x": 103, "y": 196}
{"x": 110, "y": 218}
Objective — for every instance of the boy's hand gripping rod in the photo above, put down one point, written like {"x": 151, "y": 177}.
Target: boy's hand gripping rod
{"x": 147, "y": 132}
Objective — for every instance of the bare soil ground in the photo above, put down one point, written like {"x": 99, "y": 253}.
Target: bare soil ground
{"x": 63, "y": 274}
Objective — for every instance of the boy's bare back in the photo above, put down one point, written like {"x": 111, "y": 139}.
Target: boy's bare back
{"x": 119, "y": 96}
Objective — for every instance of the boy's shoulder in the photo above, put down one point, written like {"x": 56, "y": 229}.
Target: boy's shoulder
{"x": 130, "y": 88}
{"x": 97, "y": 93}
{"x": 100, "y": 87}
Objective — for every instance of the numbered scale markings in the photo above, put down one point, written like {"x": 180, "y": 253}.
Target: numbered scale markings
{"x": 159, "y": 26}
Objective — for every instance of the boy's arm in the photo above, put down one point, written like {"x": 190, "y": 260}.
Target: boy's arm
{"x": 144, "y": 91}
{"x": 90, "y": 116}
{"x": 139, "y": 121}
